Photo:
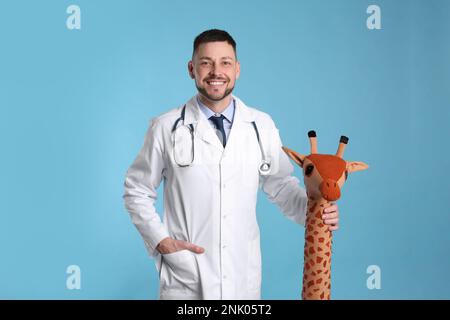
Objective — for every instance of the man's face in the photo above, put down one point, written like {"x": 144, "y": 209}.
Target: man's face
{"x": 215, "y": 69}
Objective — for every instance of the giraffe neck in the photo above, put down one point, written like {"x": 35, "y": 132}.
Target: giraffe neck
{"x": 318, "y": 202}
{"x": 317, "y": 254}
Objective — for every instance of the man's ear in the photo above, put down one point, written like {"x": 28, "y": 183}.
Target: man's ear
{"x": 191, "y": 69}
{"x": 297, "y": 157}
{"x": 353, "y": 166}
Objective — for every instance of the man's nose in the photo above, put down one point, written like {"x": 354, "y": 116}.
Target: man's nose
{"x": 330, "y": 190}
{"x": 215, "y": 70}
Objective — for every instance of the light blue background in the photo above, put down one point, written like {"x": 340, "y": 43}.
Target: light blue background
{"x": 75, "y": 106}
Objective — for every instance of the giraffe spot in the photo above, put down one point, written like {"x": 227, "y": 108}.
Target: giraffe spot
{"x": 307, "y": 267}
{"x": 321, "y": 239}
{"x": 311, "y": 250}
{"x": 312, "y": 262}
{"x": 325, "y": 283}
{"x": 316, "y": 289}
{"x": 329, "y": 287}
{"x": 325, "y": 264}
{"x": 320, "y": 225}
{"x": 328, "y": 243}
{"x": 318, "y": 281}
{"x": 322, "y": 295}
{"x": 319, "y": 249}
{"x": 319, "y": 271}
{"x": 319, "y": 259}
{"x": 310, "y": 283}
{"x": 313, "y": 221}
{"x": 316, "y": 233}
{"x": 313, "y": 273}
{"x": 326, "y": 271}
{"x": 318, "y": 215}
{"x": 327, "y": 254}
{"x": 310, "y": 227}
{"x": 313, "y": 207}
{"x": 310, "y": 239}
{"x": 305, "y": 277}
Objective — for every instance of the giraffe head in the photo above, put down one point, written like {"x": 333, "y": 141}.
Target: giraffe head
{"x": 325, "y": 174}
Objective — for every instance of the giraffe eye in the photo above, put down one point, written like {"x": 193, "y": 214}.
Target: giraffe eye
{"x": 346, "y": 174}
{"x": 309, "y": 169}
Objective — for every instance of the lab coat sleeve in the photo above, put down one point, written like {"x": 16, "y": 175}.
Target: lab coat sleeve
{"x": 283, "y": 189}
{"x": 141, "y": 181}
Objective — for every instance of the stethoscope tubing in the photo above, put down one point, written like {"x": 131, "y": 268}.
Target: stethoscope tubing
{"x": 264, "y": 167}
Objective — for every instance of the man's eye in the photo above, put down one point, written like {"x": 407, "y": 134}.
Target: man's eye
{"x": 309, "y": 169}
{"x": 227, "y": 62}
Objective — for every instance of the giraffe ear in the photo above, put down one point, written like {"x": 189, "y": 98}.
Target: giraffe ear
{"x": 297, "y": 157}
{"x": 353, "y": 166}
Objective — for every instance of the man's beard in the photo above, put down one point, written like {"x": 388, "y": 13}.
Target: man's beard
{"x": 204, "y": 93}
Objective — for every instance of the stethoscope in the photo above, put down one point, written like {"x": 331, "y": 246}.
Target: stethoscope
{"x": 264, "y": 167}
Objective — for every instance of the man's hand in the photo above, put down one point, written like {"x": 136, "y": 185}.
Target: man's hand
{"x": 330, "y": 217}
{"x": 169, "y": 245}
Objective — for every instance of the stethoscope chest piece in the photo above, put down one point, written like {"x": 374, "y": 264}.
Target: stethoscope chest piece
{"x": 264, "y": 167}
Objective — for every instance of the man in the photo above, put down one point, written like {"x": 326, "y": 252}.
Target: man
{"x": 212, "y": 153}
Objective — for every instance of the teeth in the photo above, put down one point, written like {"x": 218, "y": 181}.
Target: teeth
{"x": 216, "y": 83}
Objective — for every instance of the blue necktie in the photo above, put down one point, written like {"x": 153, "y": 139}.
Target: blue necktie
{"x": 218, "y": 123}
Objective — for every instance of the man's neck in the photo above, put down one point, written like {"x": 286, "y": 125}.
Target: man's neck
{"x": 216, "y": 106}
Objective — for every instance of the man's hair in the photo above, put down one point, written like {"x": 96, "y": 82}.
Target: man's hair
{"x": 213, "y": 35}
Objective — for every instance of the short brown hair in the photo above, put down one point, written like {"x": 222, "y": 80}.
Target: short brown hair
{"x": 213, "y": 35}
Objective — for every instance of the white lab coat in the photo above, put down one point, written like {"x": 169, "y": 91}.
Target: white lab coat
{"x": 210, "y": 203}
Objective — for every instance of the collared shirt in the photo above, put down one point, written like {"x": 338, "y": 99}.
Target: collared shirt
{"x": 228, "y": 113}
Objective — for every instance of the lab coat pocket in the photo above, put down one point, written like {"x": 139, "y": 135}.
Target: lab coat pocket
{"x": 250, "y": 175}
{"x": 249, "y": 170}
{"x": 182, "y": 265}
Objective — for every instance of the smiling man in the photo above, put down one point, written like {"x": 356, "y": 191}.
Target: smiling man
{"x": 215, "y": 69}
{"x": 213, "y": 154}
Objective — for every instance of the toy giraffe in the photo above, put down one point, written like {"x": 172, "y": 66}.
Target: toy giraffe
{"x": 324, "y": 176}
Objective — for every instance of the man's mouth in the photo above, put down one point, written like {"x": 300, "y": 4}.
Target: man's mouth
{"x": 215, "y": 82}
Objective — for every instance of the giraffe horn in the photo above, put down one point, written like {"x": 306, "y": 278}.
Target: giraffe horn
{"x": 313, "y": 141}
{"x": 342, "y": 144}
